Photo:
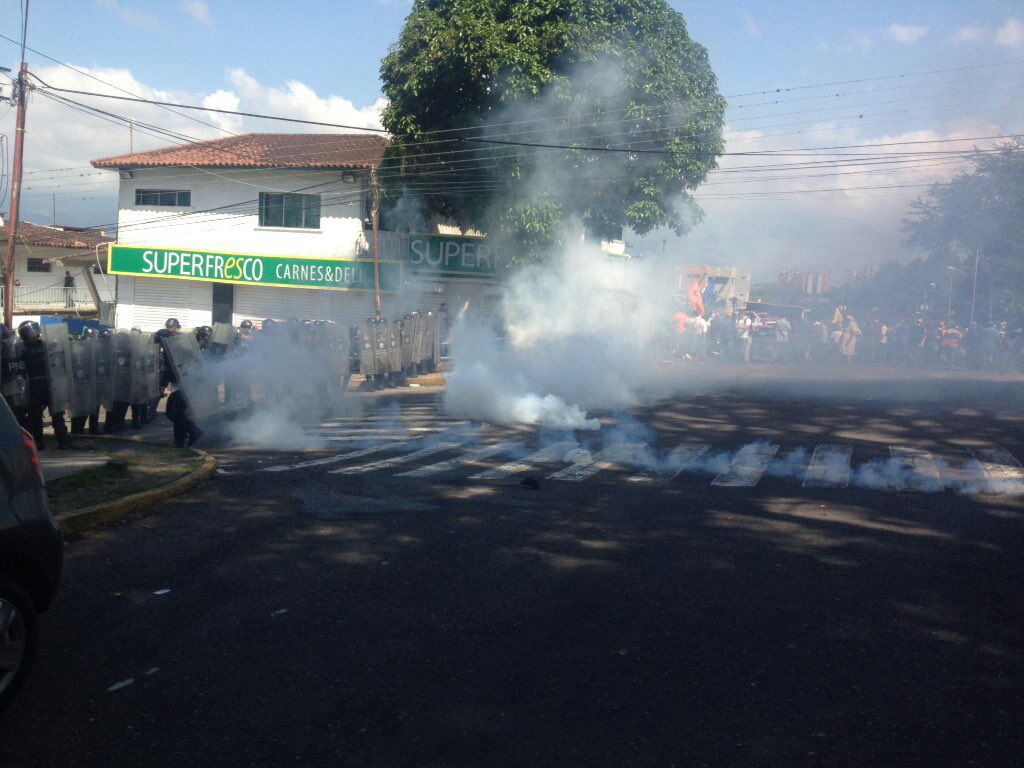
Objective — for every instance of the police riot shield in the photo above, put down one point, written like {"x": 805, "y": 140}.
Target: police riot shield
{"x": 394, "y": 347}
{"x": 431, "y": 342}
{"x": 223, "y": 340}
{"x": 336, "y": 348}
{"x": 121, "y": 387}
{"x": 12, "y": 373}
{"x": 368, "y": 348}
{"x": 103, "y": 368}
{"x": 152, "y": 386}
{"x": 83, "y": 385}
{"x": 405, "y": 341}
{"x": 186, "y": 363}
{"x": 142, "y": 348}
{"x": 417, "y": 337}
{"x": 381, "y": 352}
{"x": 58, "y": 365}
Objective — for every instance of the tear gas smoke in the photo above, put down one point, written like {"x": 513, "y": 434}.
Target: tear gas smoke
{"x": 583, "y": 331}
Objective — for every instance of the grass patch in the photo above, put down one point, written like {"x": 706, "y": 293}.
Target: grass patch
{"x": 132, "y": 469}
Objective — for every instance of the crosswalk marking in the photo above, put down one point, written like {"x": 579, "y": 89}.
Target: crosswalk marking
{"x": 472, "y": 457}
{"x": 747, "y": 466}
{"x": 339, "y": 457}
{"x": 553, "y": 452}
{"x": 1002, "y": 471}
{"x": 679, "y": 458}
{"x": 829, "y": 467}
{"x": 621, "y": 453}
{"x": 373, "y": 466}
{"x": 913, "y": 469}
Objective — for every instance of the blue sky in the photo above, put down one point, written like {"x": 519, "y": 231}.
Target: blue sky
{"x": 321, "y": 59}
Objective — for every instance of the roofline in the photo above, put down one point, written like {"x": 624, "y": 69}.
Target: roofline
{"x": 105, "y": 164}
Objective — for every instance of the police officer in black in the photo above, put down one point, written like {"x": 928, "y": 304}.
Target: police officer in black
{"x": 13, "y": 369}
{"x": 204, "y": 335}
{"x": 36, "y": 369}
{"x": 171, "y": 327}
{"x": 177, "y": 411}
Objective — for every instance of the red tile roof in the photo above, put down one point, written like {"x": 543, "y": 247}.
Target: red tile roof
{"x": 263, "y": 150}
{"x": 34, "y": 235}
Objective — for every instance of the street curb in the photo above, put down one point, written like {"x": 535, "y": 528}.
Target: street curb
{"x": 112, "y": 511}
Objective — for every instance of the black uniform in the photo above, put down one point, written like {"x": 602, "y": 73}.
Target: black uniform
{"x": 39, "y": 396}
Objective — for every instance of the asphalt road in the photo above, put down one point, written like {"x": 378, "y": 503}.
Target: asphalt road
{"x": 317, "y": 618}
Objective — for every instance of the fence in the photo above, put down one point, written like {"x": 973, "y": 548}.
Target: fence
{"x": 29, "y": 299}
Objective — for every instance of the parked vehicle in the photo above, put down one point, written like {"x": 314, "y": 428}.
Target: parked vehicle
{"x": 31, "y": 554}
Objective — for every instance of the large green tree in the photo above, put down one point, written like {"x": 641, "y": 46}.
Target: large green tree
{"x": 978, "y": 217}
{"x": 471, "y": 83}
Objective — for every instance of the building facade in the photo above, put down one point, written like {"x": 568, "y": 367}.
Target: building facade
{"x": 275, "y": 226}
{"x": 807, "y": 283}
{"x": 42, "y": 257}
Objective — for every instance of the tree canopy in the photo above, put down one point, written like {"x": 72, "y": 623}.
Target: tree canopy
{"x": 471, "y": 83}
{"x": 978, "y": 213}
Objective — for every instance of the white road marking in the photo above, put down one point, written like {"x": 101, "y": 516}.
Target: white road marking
{"x": 829, "y": 467}
{"x": 373, "y": 466}
{"x": 913, "y": 469}
{"x": 554, "y": 452}
{"x": 1003, "y": 472}
{"x": 338, "y": 457}
{"x": 472, "y": 457}
{"x": 747, "y": 466}
{"x": 679, "y": 458}
{"x": 621, "y": 453}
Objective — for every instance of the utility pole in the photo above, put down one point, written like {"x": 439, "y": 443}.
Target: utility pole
{"x": 21, "y": 88}
{"x": 374, "y": 211}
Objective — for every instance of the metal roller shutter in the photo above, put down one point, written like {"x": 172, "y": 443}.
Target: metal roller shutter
{"x": 256, "y": 303}
{"x": 350, "y": 307}
{"x": 157, "y": 299}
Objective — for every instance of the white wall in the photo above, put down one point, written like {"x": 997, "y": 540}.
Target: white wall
{"x": 237, "y": 229}
{"x": 53, "y": 281}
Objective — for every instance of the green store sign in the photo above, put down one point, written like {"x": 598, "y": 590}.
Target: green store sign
{"x": 245, "y": 269}
{"x": 452, "y": 255}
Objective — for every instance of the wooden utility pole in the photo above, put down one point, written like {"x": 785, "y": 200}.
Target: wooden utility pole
{"x": 374, "y": 211}
{"x": 21, "y": 86}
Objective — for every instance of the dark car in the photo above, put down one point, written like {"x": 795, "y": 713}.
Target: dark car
{"x": 31, "y": 554}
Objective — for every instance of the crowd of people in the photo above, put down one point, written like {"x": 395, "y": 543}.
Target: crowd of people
{"x": 748, "y": 336}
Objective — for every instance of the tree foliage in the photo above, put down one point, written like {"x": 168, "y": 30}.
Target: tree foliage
{"x": 583, "y": 73}
{"x": 979, "y": 213}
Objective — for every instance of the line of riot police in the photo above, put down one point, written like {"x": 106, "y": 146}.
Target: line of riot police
{"x": 388, "y": 353}
{"x": 44, "y": 368}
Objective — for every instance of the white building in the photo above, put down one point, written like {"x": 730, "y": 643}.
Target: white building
{"x": 42, "y": 257}
{"x": 274, "y": 226}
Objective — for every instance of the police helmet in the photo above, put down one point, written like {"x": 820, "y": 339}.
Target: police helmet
{"x": 106, "y": 333}
{"x": 29, "y": 331}
{"x": 206, "y": 330}
{"x": 5, "y": 332}
{"x": 172, "y": 324}
{"x": 246, "y": 325}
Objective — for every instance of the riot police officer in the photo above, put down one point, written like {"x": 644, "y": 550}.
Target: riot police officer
{"x": 171, "y": 328}
{"x": 92, "y": 418}
{"x": 12, "y": 374}
{"x": 39, "y": 395}
{"x": 204, "y": 335}
{"x": 177, "y": 411}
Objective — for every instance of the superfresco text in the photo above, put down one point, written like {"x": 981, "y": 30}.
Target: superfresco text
{"x": 286, "y": 271}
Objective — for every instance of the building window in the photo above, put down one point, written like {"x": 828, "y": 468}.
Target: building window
{"x": 168, "y": 197}
{"x": 38, "y": 265}
{"x": 284, "y": 210}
